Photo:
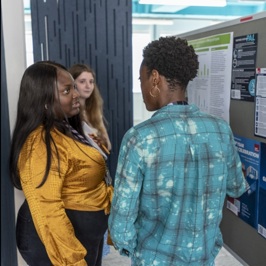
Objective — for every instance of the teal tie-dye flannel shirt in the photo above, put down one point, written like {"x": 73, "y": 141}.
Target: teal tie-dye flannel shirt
{"x": 174, "y": 171}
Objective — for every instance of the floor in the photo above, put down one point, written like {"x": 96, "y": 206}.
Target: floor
{"x": 224, "y": 258}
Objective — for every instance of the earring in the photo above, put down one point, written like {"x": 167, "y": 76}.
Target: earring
{"x": 45, "y": 107}
{"x": 156, "y": 88}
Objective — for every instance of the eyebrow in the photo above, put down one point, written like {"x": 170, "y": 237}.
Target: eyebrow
{"x": 66, "y": 84}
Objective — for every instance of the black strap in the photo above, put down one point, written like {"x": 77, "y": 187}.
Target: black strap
{"x": 76, "y": 134}
{"x": 180, "y": 103}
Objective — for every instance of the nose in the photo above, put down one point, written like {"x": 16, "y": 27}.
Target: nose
{"x": 88, "y": 84}
{"x": 75, "y": 94}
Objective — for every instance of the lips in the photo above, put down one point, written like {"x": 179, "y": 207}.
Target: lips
{"x": 76, "y": 105}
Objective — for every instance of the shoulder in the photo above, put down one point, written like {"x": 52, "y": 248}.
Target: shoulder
{"x": 37, "y": 137}
{"x": 212, "y": 125}
{"x": 140, "y": 132}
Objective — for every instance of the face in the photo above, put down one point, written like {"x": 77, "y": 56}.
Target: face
{"x": 67, "y": 97}
{"x": 85, "y": 84}
{"x": 146, "y": 83}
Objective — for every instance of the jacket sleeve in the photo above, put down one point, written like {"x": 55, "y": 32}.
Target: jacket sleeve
{"x": 46, "y": 206}
{"x": 125, "y": 204}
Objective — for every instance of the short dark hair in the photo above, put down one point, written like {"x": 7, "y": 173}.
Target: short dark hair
{"x": 173, "y": 58}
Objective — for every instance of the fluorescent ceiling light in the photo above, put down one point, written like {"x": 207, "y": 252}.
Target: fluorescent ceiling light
{"x": 220, "y": 3}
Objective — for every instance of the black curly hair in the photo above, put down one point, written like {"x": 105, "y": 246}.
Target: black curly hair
{"x": 173, "y": 58}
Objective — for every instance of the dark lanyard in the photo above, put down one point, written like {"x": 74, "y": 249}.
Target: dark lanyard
{"x": 180, "y": 103}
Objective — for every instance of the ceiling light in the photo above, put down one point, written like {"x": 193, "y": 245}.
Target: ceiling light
{"x": 220, "y": 3}
{"x": 141, "y": 21}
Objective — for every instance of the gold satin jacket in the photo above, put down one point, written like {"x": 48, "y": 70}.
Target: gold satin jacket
{"x": 79, "y": 186}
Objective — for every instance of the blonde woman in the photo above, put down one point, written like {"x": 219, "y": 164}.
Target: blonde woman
{"x": 91, "y": 105}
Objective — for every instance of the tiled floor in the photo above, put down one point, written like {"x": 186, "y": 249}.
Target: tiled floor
{"x": 224, "y": 258}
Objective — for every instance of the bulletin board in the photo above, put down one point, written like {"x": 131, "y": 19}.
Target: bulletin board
{"x": 241, "y": 238}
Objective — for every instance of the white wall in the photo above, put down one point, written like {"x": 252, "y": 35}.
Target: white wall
{"x": 15, "y": 57}
{"x": 140, "y": 111}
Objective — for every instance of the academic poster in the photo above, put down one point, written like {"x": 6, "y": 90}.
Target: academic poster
{"x": 210, "y": 90}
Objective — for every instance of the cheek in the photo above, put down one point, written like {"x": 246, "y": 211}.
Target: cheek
{"x": 80, "y": 88}
{"x": 144, "y": 89}
{"x": 66, "y": 103}
{"x": 58, "y": 110}
{"x": 92, "y": 90}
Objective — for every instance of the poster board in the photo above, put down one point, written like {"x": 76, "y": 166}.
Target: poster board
{"x": 241, "y": 117}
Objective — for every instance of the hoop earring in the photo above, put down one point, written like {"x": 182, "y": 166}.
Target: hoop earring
{"x": 46, "y": 107}
{"x": 158, "y": 91}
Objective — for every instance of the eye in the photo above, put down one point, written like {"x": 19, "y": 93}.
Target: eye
{"x": 66, "y": 90}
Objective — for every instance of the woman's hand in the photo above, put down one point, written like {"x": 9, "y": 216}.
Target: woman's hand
{"x": 99, "y": 142}
{"x": 96, "y": 139}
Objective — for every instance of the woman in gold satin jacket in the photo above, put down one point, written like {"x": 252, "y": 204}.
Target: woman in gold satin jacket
{"x": 67, "y": 196}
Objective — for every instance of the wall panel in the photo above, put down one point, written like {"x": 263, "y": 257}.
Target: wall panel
{"x": 97, "y": 33}
{"x": 8, "y": 241}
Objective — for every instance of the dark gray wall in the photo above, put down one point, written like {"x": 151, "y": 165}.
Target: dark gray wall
{"x": 8, "y": 242}
{"x": 238, "y": 235}
{"x": 98, "y": 33}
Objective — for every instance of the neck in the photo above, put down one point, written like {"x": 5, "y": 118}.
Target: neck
{"x": 177, "y": 99}
{"x": 168, "y": 96}
{"x": 176, "y": 95}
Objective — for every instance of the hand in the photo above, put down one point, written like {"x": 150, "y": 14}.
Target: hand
{"x": 96, "y": 139}
{"x": 100, "y": 143}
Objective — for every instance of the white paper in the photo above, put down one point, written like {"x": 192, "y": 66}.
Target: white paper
{"x": 210, "y": 90}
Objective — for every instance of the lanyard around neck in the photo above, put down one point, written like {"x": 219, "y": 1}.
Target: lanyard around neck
{"x": 179, "y": 103}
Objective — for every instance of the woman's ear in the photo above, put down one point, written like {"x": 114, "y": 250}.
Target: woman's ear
{"x": 155, "y": 73}
{"x": 155, "y": 76}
